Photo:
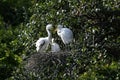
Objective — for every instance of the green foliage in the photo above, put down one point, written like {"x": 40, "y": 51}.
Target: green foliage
{"x": 9, "y": 52}
{"x": 14, "y": 12}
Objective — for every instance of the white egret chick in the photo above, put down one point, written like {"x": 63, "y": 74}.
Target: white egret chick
{"x": 43, "y": 43}
{"x": 65, "y": 34}
{"x": 54, "y": 46}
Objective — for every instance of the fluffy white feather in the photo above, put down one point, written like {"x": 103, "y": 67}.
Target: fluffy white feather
{"x": 65, "y": 34}
{"x": 54, "y": 46}
{"x": 43, "y": 42}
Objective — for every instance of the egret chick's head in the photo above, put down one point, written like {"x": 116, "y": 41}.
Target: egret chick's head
{"x": 58, "y": 27}
{"x": 49, "y": 27}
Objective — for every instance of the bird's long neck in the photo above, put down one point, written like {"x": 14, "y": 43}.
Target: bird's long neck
{"x": 49, "y": 35}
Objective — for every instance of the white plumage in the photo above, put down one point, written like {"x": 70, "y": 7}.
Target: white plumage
{"x": 43, "y": 43}
{"x": 65, "y": 34}
{"x": 54, "y": 46}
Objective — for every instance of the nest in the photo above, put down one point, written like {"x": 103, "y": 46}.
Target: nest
{"x": 38, "y": 61}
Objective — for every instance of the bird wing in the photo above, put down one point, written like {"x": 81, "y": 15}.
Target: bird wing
{"x": 40, "y": 43}
{"x": 55, "y": 47}
{"x": 66, "y": 35}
